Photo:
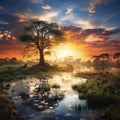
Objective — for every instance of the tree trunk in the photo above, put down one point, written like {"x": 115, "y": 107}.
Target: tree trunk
{"x": 118, "y": 62}
{"x": 42, "y": 61}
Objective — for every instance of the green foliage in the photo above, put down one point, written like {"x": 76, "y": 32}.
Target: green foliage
{"x": 101, "y": 89}
{"x": 46, "y": 87}
{"x": 56, "y": 86}
{"x": 81, "y": 88}
{"x": 101, "y": 62}
{"x": 82, "y": 96}
{"x": 85, "y": 75}
{"x": 78, "y": 107}
{"x": 113, "y": 112}
{"x": 11, "y": 72}
{"x": 25, "y": 38}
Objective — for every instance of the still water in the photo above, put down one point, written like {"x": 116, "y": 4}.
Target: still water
{"x": 63, "y": 109}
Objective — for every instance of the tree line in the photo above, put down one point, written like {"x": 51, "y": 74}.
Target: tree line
{"x": 103, "y": 61}
{"x": 4, "y": 61}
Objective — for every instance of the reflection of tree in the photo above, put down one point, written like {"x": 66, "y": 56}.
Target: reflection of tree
{"x": 41, "y": 36}
{"x": 117, "y": 57}
{"x": 43, "y": 89}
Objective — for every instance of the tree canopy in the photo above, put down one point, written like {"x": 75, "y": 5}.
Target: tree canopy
{"x": 40, "y": 36}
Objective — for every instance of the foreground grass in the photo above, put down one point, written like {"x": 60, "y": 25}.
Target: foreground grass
{"x": 101, "y": 90}
{"x": 14, "y": 72}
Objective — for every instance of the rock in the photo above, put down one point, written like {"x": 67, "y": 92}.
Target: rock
{"x": 24, "y": 95}
{"x": 51, "y": 107}
{"x": 36, "y": 104}
{"x": 13, "y": 91}
{"x": 36, "y": 101}
{"x": 7, "y": 86}
{"x": 67, "y": 114}
{"x": 57, "y": 118}
{"x": 39, "y": 106}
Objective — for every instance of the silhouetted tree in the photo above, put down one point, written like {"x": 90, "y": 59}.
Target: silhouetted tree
{"x": 101, "y": 62}
{"x": 13, "y": 60}
{"x": 41, "y": 36}
{"x": 117, "y": 57}
{"x": 104, "y": 58}
{"x": 96, "y": 63}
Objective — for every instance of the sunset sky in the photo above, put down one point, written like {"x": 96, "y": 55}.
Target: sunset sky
{"x": 91, "y": 27}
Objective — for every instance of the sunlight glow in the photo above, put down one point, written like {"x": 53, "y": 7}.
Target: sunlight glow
{"x": 64, "y": 51}
{"x": 67, "y": 51}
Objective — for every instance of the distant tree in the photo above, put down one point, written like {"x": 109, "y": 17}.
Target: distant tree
{"x": 101, "y": 62}
{"x": 104, "y": 58}
{"x": 96, "y": 62}
{"x": 41, "y": 36}
{"x": 13, "y": 60}
{"x": 88, "y": 64}
{"x": 117, "y": 58}
{"x": 4, "y": 61}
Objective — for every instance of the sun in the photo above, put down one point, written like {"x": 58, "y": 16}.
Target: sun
{"x": 64, "y": 53}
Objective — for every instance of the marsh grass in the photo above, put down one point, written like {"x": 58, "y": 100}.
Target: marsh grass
{"x": 101, "y": 90}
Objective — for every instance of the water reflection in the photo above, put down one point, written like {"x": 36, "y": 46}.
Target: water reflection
{"x": 60, "y": 109}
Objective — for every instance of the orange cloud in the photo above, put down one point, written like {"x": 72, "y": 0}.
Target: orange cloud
{"x": 1, "y": 35}
{"x": 93, "y": 38}
{"x": 91, "y": 10}
{"x": 92, "y": 41}
{"x": 46, "y": 16}
{"x": 11, "y": 48}
{"x": 93, "y": 4}
{"x": 81, "y": 43}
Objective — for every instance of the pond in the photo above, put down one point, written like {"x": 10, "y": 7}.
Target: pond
{"x": 56, "y": 103}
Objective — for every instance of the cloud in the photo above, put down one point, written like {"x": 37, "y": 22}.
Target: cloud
{"x": 89, "y": 34}
{"x": 48, "y": 16}
{"x": 1, "y": 35}
{"x": 92, "y": 5}
{"x": 9, "y": 46}
{"x": 85, "y": 24}
{"x": 10, "y": 22}
{"x": 69, "y": 10}
{"x": 46, "y": 7}
{"x": 3, "y": 22}
{"x": 11, "y": 50}
{"x": 100, "y": 31}
{"x": 93, "y": 41}
{"x": 1, "y": 8}
{"x": 94, "y": 38}
{"x": 91, "y": 10}
{"x": 36, "y": 1}
{"x": 7, "y": 35}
